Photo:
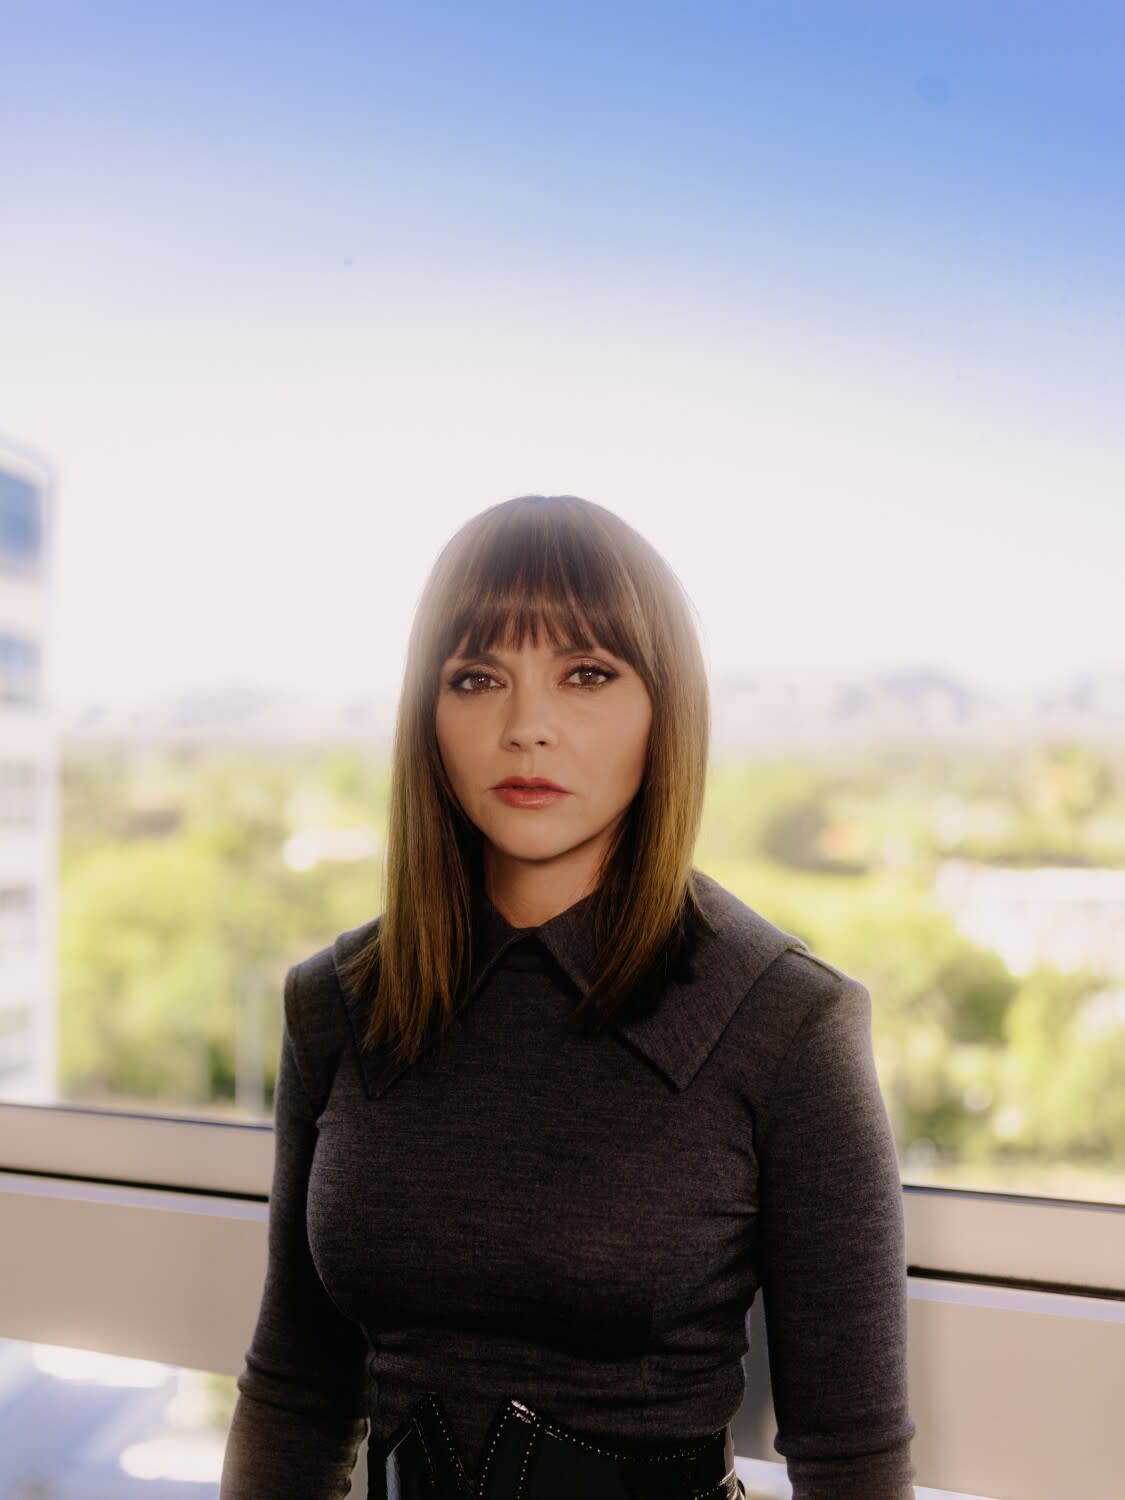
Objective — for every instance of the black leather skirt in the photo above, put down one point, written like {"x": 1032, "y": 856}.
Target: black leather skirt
{"x": 529, "y": 1457}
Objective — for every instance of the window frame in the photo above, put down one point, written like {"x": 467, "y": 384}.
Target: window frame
{"x": 148, "y": 1237}
{"x": 1046, "y": 1244}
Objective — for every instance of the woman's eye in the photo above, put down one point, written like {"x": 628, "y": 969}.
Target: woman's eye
{"x": 459, "y": 683}
{"x": 590, "y": 667}
{"x": 463, "y": 677}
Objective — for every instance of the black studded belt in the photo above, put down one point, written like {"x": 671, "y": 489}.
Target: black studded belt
{"x": 529, "y": 1457}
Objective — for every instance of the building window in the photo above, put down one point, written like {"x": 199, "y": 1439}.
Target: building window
{"x": 19, "y": 670}
{"x": 21, "y": 538}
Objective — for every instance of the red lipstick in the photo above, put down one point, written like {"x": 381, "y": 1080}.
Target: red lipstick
{"x": 529, "y": 791}
{"x": 530, "y": 781}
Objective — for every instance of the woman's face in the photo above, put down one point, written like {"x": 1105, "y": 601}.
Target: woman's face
{"x": 579, "y": 718}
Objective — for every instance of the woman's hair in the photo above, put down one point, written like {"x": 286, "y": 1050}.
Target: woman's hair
{"x": 586, "y": 578}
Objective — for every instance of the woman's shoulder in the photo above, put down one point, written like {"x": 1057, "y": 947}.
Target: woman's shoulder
{"x": 320, "y": 1002}
{"x": 741, "y": 965}
{"x": 779, "y": 968}
{"x": 740, "y": 931}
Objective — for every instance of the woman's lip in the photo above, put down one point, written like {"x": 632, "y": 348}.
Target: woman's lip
{"x": 529, "y": 796}
{"x": 518, "y": 786}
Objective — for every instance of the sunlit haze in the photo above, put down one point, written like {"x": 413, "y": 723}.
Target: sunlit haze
{"x": 829, "y": 307}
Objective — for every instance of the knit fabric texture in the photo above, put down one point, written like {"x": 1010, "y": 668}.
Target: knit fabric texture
{"x": 583, "y": 1222}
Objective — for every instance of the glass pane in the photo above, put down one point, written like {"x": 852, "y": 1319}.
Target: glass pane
{"x": 831, "y": 312}
{"x": 73, "y": 1422}
{"x": 963, "y": 885}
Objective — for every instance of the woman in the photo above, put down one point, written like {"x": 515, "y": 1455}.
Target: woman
{"x": 545, "y": 1126}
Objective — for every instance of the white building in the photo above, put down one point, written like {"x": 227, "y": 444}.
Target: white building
{"x": 1071, "y": 918}
{"x": 28, "y": 785}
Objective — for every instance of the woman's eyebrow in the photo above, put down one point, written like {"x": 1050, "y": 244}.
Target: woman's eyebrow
{"x": 490, "y": 656}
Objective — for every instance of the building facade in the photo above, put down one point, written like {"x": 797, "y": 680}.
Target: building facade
{"x": 28, "y": 785}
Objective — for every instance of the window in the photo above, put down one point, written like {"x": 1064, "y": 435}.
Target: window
{"x": 20, "y": 528}
{"x": 19, "y": 670}
{"x": 827, "y": 301}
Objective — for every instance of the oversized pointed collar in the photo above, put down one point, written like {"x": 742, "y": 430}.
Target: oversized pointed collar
{"x": 677, "y": 1037}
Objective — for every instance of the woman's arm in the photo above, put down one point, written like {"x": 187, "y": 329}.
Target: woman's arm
{"x": 299, "y": 1419}
{"x": 832, "y": 1263}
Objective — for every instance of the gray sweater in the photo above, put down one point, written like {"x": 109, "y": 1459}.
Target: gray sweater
{"x": 583, "y": 1221}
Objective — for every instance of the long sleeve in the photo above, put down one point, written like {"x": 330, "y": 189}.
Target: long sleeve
{"x": 832, "y": 1263}
{"x": 299, "y": 1421}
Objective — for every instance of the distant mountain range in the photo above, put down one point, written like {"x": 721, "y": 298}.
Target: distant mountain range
{"x": 810, "y": 712}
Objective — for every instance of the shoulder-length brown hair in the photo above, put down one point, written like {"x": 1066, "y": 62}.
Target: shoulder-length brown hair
{"x": 587, "y": 578}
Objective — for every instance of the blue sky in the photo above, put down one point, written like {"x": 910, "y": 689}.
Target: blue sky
{"x": 838, "y": 281}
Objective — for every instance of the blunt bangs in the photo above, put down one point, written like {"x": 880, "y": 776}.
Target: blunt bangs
{"x": 532, "y": 576}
